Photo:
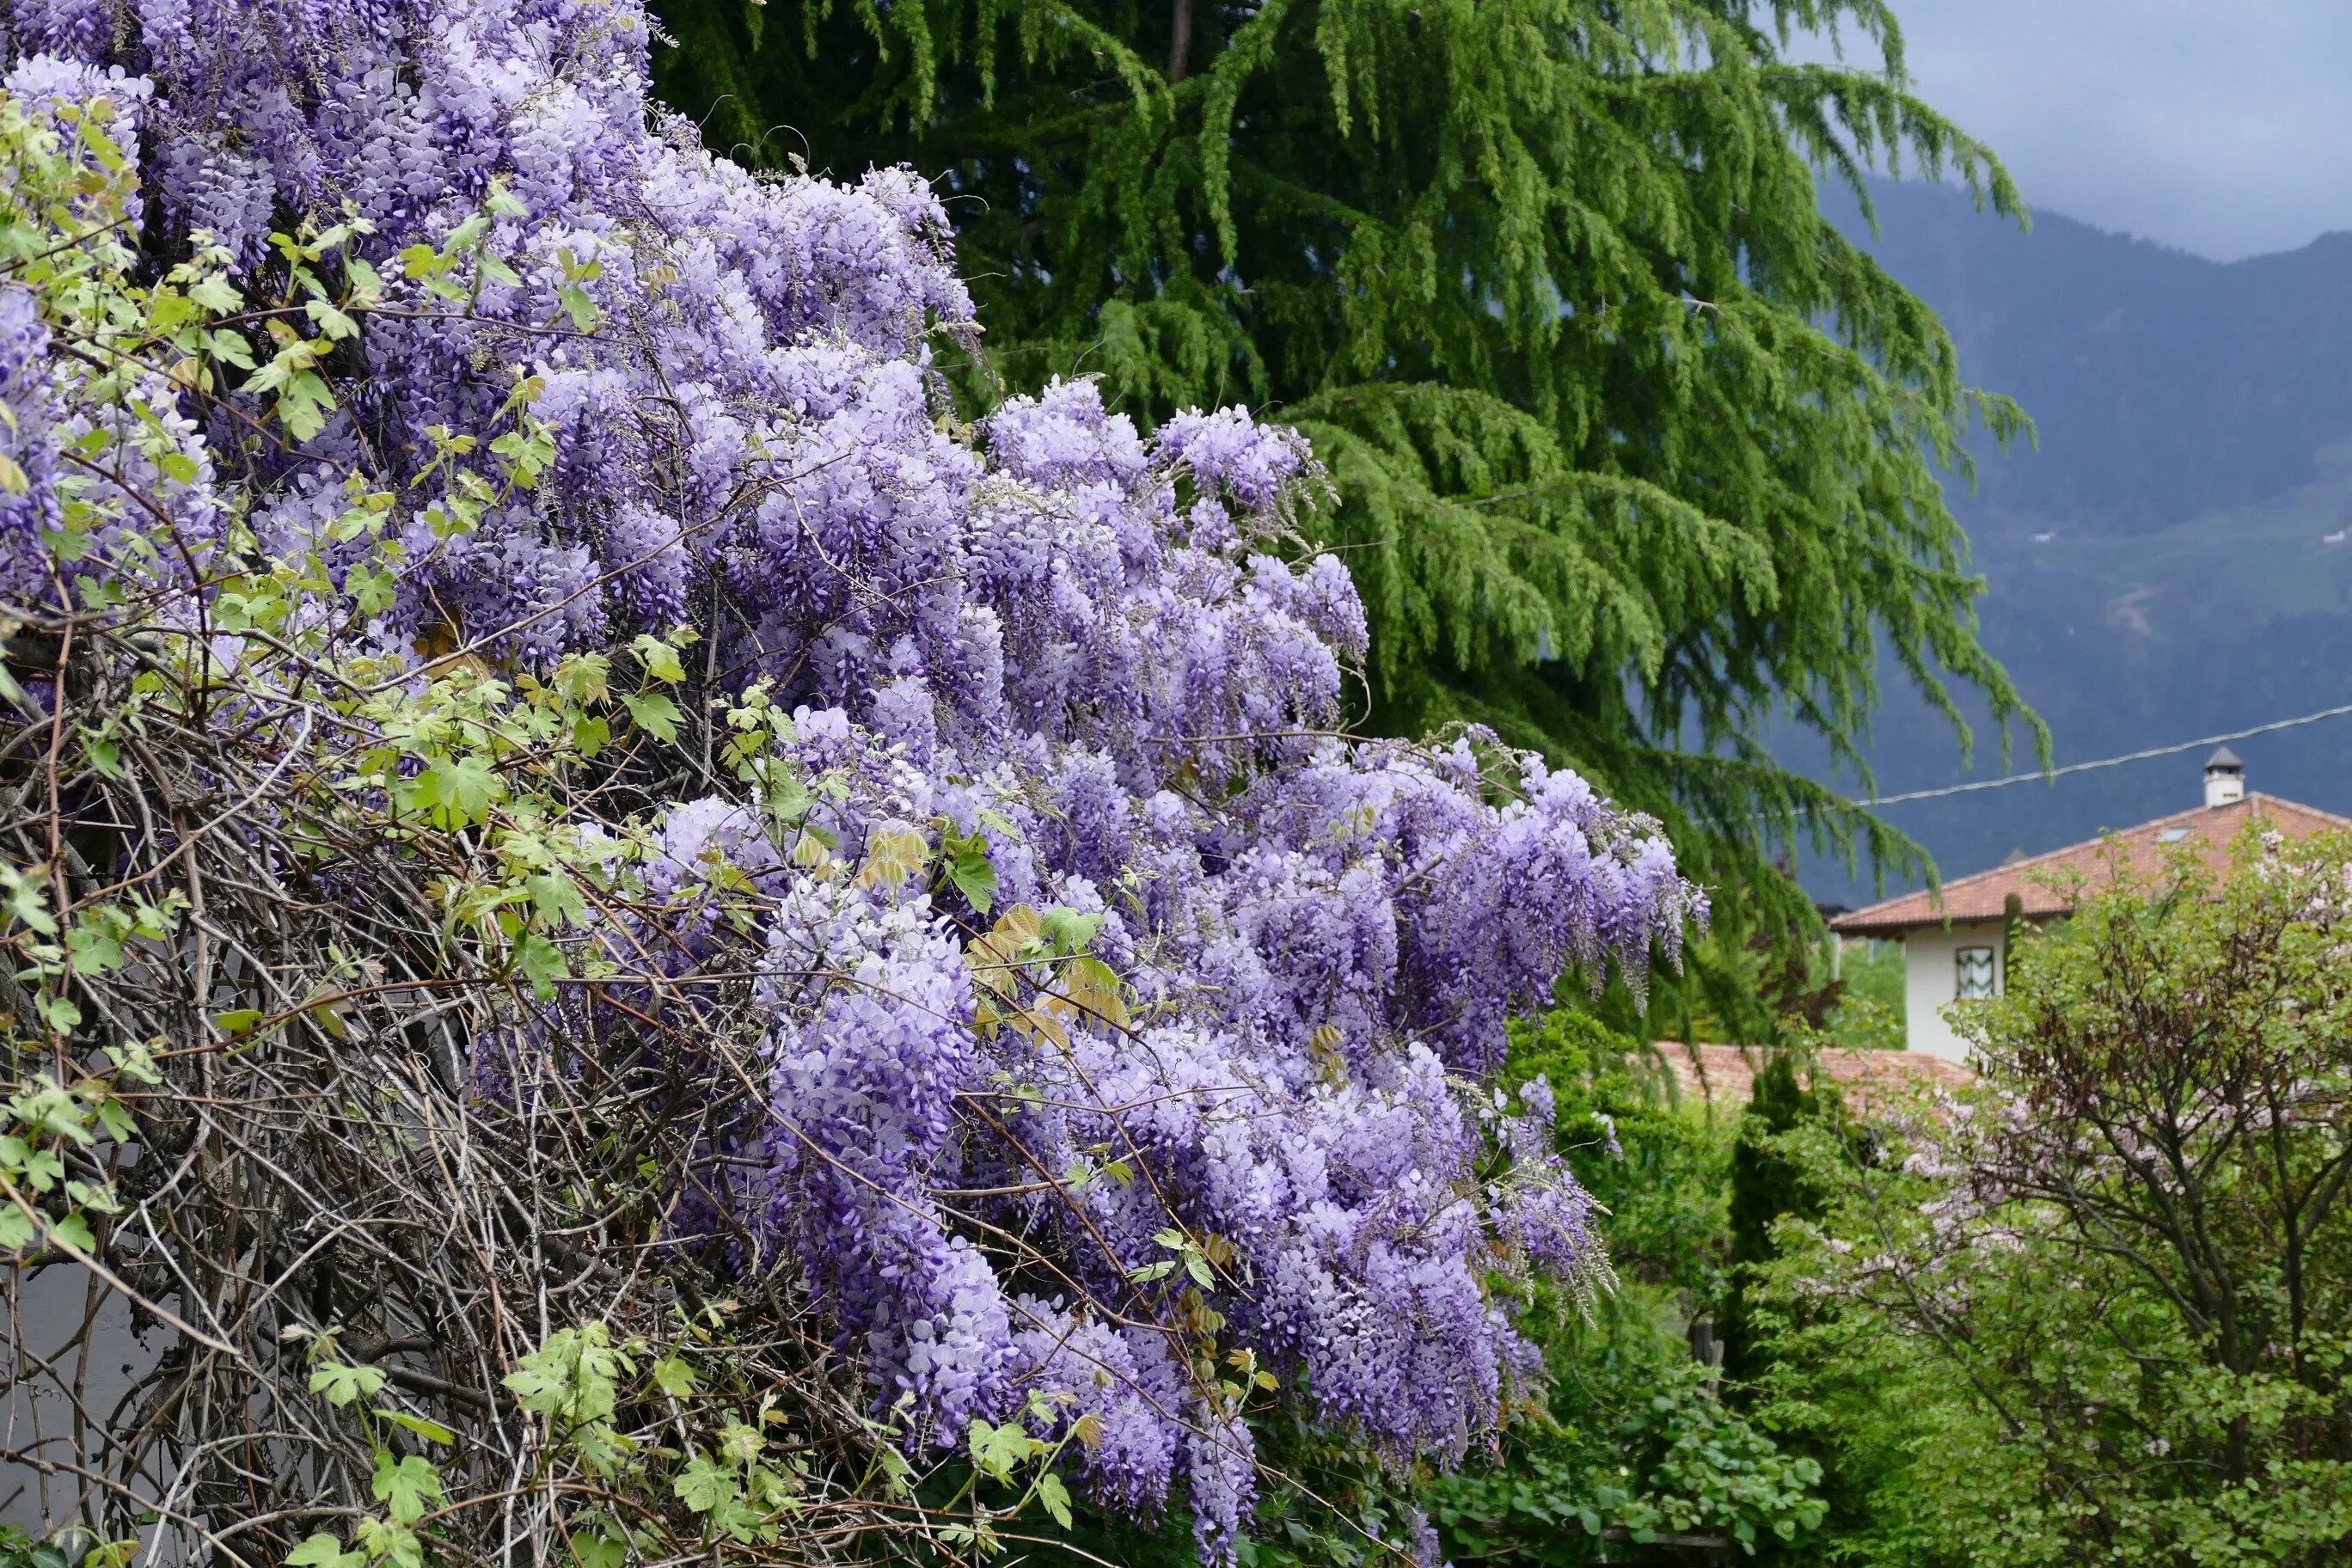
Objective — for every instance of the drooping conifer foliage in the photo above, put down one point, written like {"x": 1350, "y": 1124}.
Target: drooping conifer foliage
{"x": 1632, "y": 448}
{"x": 592, "y": 799}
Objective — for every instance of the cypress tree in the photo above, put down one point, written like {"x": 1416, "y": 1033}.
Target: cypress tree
{"x": 1765, "y": 1185}
{"x": 1633, "y": 450}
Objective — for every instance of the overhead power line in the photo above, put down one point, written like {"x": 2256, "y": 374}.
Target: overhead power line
{"x": 2152, "y": 751}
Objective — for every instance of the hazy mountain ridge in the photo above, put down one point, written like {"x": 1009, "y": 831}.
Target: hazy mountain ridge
{"x": 2164, "y": 384}
{"x": 2176, "y": 559}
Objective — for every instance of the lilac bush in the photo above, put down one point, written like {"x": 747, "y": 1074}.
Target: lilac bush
{"x": 1123, "y": 1019}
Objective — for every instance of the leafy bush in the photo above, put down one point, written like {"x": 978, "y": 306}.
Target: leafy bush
{"x": 1650, "y": 1453}
{"x": 1869, "y": 1015}
{"x": 1655, "y": 1165}
{"x": 2095, "y": 1313}
{"x": 1636, "y": 1442}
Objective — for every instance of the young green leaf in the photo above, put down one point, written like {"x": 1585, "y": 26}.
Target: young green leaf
{"x": 323, "y": 1551}
{"x": 431, "y": 1431}
{"x": 405, "y": 1488}
{"x": 704, "y": 1484}
{"x": 344, "y": 1384}
{"x": 1055, "y": 1497}
{"x": 653, "y": 713}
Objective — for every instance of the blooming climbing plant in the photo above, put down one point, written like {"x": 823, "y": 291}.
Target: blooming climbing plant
{"x": 565, "y": 532}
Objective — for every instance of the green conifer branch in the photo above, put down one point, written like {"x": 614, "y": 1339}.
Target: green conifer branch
{"x": 1635, "y": 453}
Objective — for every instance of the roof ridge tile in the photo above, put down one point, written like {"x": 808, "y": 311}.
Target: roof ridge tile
{"x": 1952, "y": 900}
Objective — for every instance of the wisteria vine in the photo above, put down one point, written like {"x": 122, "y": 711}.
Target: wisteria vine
{"x": 1122, "y": 1019}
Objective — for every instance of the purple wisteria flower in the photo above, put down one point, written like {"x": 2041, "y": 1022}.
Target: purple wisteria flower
{"x": 1199, "y": 1073}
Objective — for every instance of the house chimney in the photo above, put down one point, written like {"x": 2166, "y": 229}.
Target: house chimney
{"x": 2225, "y": 778}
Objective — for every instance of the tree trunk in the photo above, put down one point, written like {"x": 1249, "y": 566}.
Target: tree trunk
{"x": 1180, "y": 40}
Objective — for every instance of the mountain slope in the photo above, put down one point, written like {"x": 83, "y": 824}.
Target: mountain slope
{"x": 2165, "y": 384}
{"x": 2176, "y": 559}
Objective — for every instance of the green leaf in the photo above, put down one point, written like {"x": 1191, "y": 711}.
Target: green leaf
{"x": 593, "y": 1549}
{"x": 1068, "y": 930}
{"x": 28, "y": 902}
{"x": 344, "y": 1384}
{"x": 92, "y": 949}
{"x": 367, "y": 287}
{"x": 540, "y": 961}
{"x": 323, "y": 1551}
{"x": 230, "y": 348}
{"x": 788, "y": 795}
{"x": 654, "y": 712}
{"x": 704, "y": 1484}
{"x": 431, "y": 1431}
{"x": 571, "y": 1376}
{"x": 98, "y": 1195}
{"x": 118, "y": 1120}
{"x": 659, "y": 659}
{"x": 1055, "y": 1497}
{"x": 557, "y": 898}
{"x": 391, "y": 1542}
{"x": 999, "y": 1450}
{"x": 407, "y": 1488}
{"x": 581, "y": 308}
{"x": 73, "y": 1231}
{"x": 374, "y": 590}
{"x": 975, "y": 876}
{"x": 330, "y": 321}
{"x": 459, "y": 790}
{"x": 674, "y": 1377}
{"x": 216, "y": 294}
{"x": 740, "y": 1443}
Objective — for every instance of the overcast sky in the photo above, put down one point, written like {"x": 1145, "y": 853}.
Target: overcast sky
{"x": 2222, "y": 127}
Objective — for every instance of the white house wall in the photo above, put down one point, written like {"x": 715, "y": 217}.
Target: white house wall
{"x": 1931, "y": 981}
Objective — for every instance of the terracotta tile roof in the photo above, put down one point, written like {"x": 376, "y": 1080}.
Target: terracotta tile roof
{"x": 1724, "y": 1076}
{"x": 2207, "y": 829}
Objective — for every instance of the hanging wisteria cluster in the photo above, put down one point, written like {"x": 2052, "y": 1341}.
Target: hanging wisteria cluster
{"x": 1123, "y": 1020}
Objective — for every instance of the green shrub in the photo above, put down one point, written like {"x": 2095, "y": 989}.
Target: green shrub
{"x": 2097, "y": 1311}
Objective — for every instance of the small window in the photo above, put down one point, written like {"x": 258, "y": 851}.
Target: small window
{"x": 1976, "y": 973}
{"x": 2172, "y": 835}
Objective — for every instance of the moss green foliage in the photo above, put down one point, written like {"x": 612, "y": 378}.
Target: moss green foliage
{"x": 19, "y": 1550}
{"x": 1869, "y": 1013}
{"x": 1763, "y": 982}
{"x": 1657, "y": 1165}
{"x": 2096, "y": 1314}
{"x": 1633, "y": 449}
{"x": 1637, "y": 1442}
{"x": 1766, "y": 1183}
{"x": 1653, "y": 1454}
